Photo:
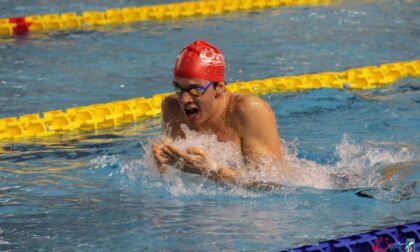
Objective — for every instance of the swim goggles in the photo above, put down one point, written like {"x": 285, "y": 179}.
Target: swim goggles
{"x": 194, "y": 91}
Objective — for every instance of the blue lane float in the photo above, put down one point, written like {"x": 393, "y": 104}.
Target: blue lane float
{"x": 399, "y": 238}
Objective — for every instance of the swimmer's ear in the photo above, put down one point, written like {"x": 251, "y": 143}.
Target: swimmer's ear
{"x": 220, "y": 88}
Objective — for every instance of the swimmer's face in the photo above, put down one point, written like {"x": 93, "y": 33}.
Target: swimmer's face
{"x": 197, "y": 104}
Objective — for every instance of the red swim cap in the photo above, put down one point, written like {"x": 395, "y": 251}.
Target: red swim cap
{"x": 200, "y": 60}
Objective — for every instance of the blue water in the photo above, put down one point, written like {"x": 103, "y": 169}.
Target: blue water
{"x": 100, "y": 191}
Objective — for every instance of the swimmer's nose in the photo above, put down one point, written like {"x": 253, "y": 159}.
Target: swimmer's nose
{"x": 186, "y": 98}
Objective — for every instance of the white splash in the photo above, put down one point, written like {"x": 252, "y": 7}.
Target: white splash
{"x": 223, "y": 152}
{"x": 104, "y": 161}
{"x": 362, "y": 165}
{"x": 359, "y": 166}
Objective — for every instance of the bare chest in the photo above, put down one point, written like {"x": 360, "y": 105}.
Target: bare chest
{"x": 227, "y": 134}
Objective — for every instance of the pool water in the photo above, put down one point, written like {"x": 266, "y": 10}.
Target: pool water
{"x": 100, "y": 191}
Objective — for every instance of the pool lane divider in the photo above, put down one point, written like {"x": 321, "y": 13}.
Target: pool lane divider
{"x": 398, "y": 238}
{"x": 116, "y": 113}
{"x": 116, "y": 16}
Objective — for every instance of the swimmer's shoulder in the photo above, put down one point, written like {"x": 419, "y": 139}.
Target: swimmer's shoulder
{"x": 249, "y": 112}
{"x": 247, "y": 105}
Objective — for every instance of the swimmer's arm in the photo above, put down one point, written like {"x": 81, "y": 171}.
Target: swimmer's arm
{"x": 231, "y": 176}
{"x": 257, "y": 128}
{"x": 196, "y": 161}
{"x": 225, "y": 174}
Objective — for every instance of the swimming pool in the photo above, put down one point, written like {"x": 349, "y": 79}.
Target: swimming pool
{"x": 100, "y": 191}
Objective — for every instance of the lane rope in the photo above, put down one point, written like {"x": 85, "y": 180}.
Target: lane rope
{"x": 117, "y": 16}
{"x": 398, "y": 238}
{"x": 116, "y": 113}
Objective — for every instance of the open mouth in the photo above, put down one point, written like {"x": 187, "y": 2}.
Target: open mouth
{"x": 191, "y": 111}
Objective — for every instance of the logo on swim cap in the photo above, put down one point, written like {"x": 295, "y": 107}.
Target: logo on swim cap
{"x": 200, "y": 60}
{"x": 210, "y": 58}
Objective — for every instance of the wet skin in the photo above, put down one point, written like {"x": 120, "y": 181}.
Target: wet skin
{"x": 243, "y": 120}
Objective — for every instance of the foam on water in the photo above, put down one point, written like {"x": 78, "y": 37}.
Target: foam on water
{"x": 358, "y": 166}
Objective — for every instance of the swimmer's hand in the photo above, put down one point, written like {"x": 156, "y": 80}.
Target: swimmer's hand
{"x": 159, "y": 157}
{"x": 192, "y": 160}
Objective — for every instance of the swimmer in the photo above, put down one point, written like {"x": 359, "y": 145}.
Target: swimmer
{"x": 202, "y": 103}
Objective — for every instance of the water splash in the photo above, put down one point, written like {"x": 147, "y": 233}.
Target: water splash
{"x": 144, "y": 172}
{"x": 358, "y": 166}
{"x": 104, "y": 161}
{"x": 364, "y": 165}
